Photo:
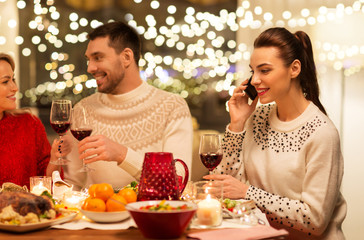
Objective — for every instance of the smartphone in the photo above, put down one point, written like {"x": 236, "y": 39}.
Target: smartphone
{"x": 250, "y": 90}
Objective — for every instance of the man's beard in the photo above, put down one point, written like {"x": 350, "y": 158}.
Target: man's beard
{"x": 112, "y": 84}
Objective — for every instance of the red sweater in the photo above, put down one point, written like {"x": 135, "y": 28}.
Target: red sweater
{"x": 24, "y": 149}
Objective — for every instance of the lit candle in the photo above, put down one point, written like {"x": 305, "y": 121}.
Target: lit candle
{"x": 209, "y": 212}
{"x": 39, "y": 189}
{"x": 73, "y": 199}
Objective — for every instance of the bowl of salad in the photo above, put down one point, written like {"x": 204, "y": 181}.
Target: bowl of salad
{"x": 162, "y": 219}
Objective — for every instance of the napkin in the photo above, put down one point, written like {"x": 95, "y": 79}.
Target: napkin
{"x": 83, "y": 223}
{"x": 253, "y": 233}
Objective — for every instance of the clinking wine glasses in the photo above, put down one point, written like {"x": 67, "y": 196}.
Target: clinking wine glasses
{"x": 210, "y": 151}
{"x": 80, "y": 129}
{"x": 60, "y": 122}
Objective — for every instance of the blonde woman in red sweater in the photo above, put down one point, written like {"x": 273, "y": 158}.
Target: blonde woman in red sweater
{"x": 24, "y": 148}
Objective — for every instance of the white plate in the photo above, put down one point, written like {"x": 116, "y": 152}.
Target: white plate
{"x": 35, "y": 226}
{"x": 106, "y": 217}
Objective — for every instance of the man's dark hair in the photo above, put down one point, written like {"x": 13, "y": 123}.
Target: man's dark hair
{"x": 121, "y": 36}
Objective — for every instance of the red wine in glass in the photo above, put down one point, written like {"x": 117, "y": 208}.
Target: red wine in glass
{"x": 211, "y": 160}
{"x": 210, "y": 151}
{"x": 80, "y": 133}
{"x": 60, "y": 127}
{"x": 60, "y": 122}
{"x": 80, "y": 129}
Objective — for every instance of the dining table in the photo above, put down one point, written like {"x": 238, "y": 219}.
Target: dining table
{"x": 78, "y": 224}
{"x": 90, "y": 234}
{"x": 82, "y": 228}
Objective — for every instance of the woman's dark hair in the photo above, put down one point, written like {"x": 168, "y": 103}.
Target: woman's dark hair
{"x": 291, "y": 47}
{"x": 121, "y": 36}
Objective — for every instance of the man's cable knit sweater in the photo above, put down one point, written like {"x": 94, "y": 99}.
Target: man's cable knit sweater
{"x": 24, "y": 149}
{"x": 295, "y": 170}
{"x": 146, "y": 119}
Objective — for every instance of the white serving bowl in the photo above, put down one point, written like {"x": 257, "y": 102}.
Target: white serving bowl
{"x": 106, "y": 217}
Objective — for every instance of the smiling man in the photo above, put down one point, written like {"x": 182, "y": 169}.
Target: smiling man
{"x": 128, "y": 116}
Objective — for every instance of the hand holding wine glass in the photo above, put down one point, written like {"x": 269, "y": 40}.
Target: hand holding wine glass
{"x": 80, "y": 129}
{"x": 210, "y": 151}
{"x": 60, "y": 122}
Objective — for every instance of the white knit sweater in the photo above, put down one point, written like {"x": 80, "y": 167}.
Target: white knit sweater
{"x": 146, "y": 119}
{"x": 295, "y": 170}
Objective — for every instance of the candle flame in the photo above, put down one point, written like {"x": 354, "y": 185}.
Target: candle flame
{"x": 74, "y": 199}
{"x": 39, "y": 189}
{"x": 208, "y": 197}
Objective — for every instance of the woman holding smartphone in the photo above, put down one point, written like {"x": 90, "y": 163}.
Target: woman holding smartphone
{"x": 285, "y": 154}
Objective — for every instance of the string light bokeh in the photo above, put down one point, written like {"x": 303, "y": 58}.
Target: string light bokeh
{"x": 190, "y": 54}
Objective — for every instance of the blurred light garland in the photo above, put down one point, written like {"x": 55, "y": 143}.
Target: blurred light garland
{"x": 205, "y": 63}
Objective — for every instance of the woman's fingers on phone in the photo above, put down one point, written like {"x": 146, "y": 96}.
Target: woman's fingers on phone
{"x": 237, "y": 89}
{"x": 245, "y": 82}
{"x": 240, "y": 89}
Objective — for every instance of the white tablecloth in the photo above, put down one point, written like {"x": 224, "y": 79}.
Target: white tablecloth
{"x": 82, "y": 222}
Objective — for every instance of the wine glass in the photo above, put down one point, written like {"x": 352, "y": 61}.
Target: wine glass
{"x": 60, "y": 122}
{"x": 81, "y": 128}
{"x": 210, "y": 151}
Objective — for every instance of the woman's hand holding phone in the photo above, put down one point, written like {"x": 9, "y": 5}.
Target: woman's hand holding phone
{"x": 239, "y": 108}
{"x": 250, "y": 90}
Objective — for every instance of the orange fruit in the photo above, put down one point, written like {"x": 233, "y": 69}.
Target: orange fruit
{"x": 129, "y": 194}
{"x": 115, "y": 203}
{"x": 91, "y": 189}
{"x": 85, "y": 203}
{"x": 102, "y": 191}
{"x": 94, "y": 204}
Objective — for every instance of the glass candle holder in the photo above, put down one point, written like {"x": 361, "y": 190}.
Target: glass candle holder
{"x": 208, "y": 196}
{"x": 74, "y": 199}
{"x": 39, "y": 184}
{"x": 187, "y": 194}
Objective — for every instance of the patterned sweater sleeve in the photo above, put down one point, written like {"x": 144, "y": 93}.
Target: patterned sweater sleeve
{"x": 311, "y": 213}
{"x": 232, "y": 163}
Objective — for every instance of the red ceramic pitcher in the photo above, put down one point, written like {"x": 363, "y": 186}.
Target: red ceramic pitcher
{"x": 159, "y": 179}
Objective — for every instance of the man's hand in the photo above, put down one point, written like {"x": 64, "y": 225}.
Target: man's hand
{"x": 99, "y": 147}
